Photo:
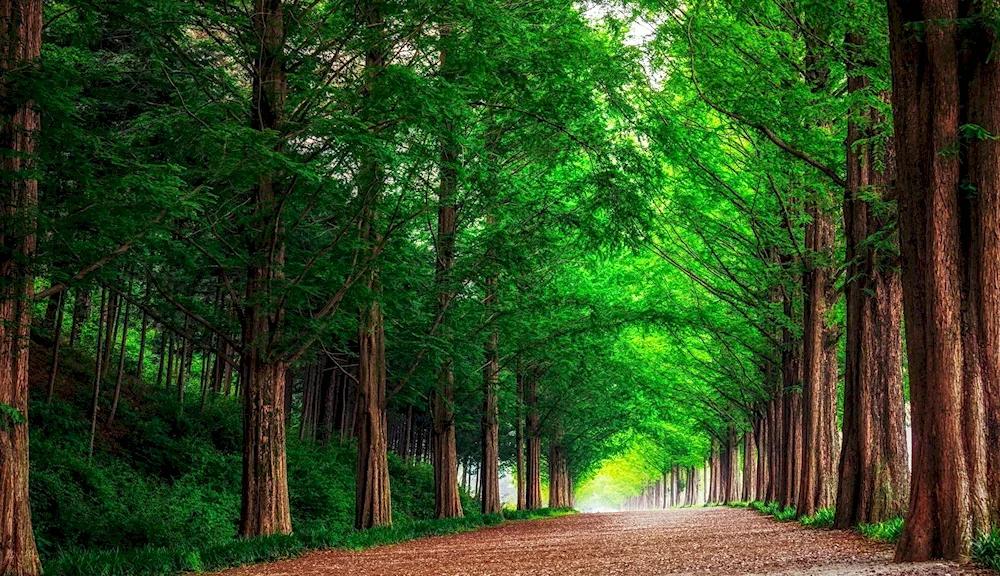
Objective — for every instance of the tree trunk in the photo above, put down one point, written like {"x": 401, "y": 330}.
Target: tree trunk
{"x": 874, "y": 473}
{"x": 142, "y": 342}
{"x": 946, "y": 87}
{"x": 490, "y": 428}
{"x": 533, "y": 487}
{"x": 559, "y": 487}
{"x": 110, "y": 331}
{"x": 121, "y": 367}
{"x": 81, "y": 311}
{"x": 819, "y": 243}
{"x": 372, "y": 503}
{"x": 446, "y": 502}
{"x": 98, "y": 359}
{"x": 20, "y": 49}
{"x": 56, "y": 345}
{"x": 265, "y": 509}
{"x": 519, "y": 439}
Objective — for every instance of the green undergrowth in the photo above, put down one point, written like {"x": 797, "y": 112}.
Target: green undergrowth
{"x": 888, "y": 531}
{"x": 161, "y": 494}
{"x": 822, "y": 519}
{"x": 986, "y": 550}
{"x": 171, "y": 561}
{"x": 773, "y": 509}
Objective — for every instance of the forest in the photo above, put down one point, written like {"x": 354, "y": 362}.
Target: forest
{"x": 291, "y": 275}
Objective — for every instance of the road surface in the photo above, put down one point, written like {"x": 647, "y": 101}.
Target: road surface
{"x": 720, "y": 541}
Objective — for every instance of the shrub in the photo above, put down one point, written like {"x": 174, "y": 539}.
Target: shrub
{"x": 888, "y": 531}
{"x": 785, "y": 515}
{"x": 986, "y": 550}
{"x": 822, "y": 519}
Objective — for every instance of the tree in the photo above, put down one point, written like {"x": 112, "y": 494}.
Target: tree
{"x": 20, "y": 50}
{"x": 944, "y": 124}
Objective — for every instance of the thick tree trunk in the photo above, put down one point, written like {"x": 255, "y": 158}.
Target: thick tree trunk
{"x": 265, "y": 508}
{"x": 20, "y": 49}
{"x": 945, "y": 80}
{"x": 874, "y": 473}
{"x": 816, "y": 454}
{"x": 373, "y": 506}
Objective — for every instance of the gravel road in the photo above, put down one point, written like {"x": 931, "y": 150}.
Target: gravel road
{"x": 720, "y": 541}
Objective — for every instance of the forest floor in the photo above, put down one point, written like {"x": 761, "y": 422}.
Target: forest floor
{"x": 687, "y": 541}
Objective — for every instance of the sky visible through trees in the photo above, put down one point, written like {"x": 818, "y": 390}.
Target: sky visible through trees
{"x": 620, "y": 254}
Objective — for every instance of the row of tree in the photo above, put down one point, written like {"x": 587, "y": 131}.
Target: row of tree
{"x": 332, "y": 211}
{"x": 838, "y": 165}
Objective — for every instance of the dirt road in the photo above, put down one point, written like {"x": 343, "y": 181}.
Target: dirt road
{"x": 691, "y": 541}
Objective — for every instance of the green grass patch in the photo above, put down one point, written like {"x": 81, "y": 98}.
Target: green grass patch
{"x": 888, "y": 531}
{"x": 822, "y": 519}
{"x": 738, "y": 504}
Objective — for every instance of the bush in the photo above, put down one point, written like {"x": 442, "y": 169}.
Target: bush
{"x": 888, "y": 531}
{"x": 785, "y": 515}
{"x": 986, "y": 550}
{"x": 822, "y": 519}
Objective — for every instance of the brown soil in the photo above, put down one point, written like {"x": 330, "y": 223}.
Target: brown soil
{"x": 720, "y": 541}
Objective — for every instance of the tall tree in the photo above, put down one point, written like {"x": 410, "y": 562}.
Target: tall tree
{"x": 20, "y": 51}
{"x": 945, "y": 88}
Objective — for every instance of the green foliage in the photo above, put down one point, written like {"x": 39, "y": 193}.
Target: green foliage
{"x": 773, "y": 509}
{"x": 165, "y": 495}
{"x": 986, "y": 550}
{"x": 822, "y": 519}
{"x": 888, "y": 531}
{"x": 10, "y": 416}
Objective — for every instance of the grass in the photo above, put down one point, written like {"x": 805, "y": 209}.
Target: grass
{"x": 170, "y": 561}
{"x": 888, "y": 531}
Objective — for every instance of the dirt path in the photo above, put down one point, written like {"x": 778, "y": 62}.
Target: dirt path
{"x": 695, "y": 541}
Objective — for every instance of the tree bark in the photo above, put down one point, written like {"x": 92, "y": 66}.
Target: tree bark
{"x": 20, "y": 49}
{"x": 559, "y": 485}
{"x": 816, "y": 452}
{"x": 265, "y": 508}
{"x": 946, "y": 87}
{"x": 490, "y": 427}
{"x": 56, "y": 345}
{"x": 446, "y": 502}
{"x": 81, "y": 311}
{"x": 519, "y": 439}
{"x": 874, "y": 472}
{"x": 121, "y": 367}
{"x": 533, "y": 485}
